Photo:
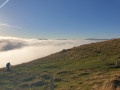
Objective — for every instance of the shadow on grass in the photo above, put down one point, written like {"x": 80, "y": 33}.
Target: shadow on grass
{"x": 115, "y": 67}
{"x": 84, "y": 74}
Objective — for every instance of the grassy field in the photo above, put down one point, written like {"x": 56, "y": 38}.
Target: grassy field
{"x": 87, "y": 67}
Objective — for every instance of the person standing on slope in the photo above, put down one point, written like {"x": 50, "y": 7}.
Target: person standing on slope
{"x": 8, "y": 66}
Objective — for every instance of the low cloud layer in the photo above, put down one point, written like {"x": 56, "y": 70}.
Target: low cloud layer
{"x": 18, "y": 50}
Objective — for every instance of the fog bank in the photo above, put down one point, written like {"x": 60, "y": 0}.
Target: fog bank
{"x": 19, "y": 50}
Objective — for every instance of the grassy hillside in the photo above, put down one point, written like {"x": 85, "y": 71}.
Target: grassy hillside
{"x": 87, "y": 67}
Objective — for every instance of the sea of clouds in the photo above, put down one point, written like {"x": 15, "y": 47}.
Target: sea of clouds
{"x": 20, "y": 50}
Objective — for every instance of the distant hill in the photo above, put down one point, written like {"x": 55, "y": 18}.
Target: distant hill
{"x": 86, "y": 67}
{"x": 98, "y": 39}
{"x": 42, "y": 39}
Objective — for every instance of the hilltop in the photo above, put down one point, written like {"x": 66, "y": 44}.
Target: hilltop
{"x": 86, "y": 67}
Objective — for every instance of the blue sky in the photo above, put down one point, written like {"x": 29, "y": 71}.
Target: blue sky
{"x": 59, "y": 19}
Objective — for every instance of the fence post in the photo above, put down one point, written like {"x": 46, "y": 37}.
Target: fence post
{"x": 52, "y": 85}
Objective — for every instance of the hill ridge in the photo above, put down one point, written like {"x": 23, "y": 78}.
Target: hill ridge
{"x": 85, "y": 67}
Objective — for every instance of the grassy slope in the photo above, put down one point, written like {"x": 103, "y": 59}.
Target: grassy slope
{"x": 81, "y": 68}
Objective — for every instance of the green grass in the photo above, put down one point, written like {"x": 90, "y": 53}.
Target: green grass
{"x": 81, "y": 68}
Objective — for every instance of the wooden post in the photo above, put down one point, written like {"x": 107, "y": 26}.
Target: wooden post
{"x": 52, "y": 85}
